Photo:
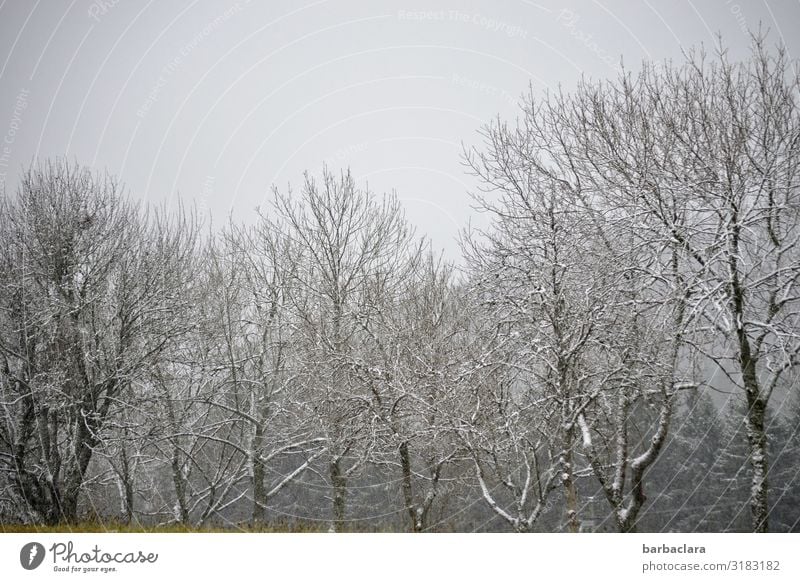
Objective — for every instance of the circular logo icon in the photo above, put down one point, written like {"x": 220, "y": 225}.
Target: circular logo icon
{"x": 31, "y": 555}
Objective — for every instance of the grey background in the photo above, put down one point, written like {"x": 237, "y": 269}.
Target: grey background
{"x": 214, "y": 102}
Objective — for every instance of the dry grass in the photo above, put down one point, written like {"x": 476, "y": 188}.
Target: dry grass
{"x": 118, "y": 527}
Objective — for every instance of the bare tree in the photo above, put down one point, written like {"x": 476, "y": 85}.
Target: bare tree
{"x": 410, "y": 360}
{"x": 504, "y": 428}
{"x": 89, "y": 301}
{"x": 264, "y": 356}
{"x": 351, "y": 242}
{"x": 704, "y": 156}
{"x": 542, "y": 272}
{"x": 596, "y": 304}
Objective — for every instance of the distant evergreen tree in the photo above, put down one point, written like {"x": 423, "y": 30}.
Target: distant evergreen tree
{"x": 701, "y": 484}
{"x": 685, "y": 484}
{"x": 784, "y": 474}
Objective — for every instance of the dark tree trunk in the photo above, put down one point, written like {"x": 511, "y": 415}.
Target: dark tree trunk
{"x": 408, "y": 490}
{"x": 127, "y": 487}
{"x": 339, "y": 482}
{"x": 85, "y": 441}
{"x": 179, "y": 482}
{"x": 757, "y": 439}
{"x": 570, "y": 491}
{"x": 756, "y": 403}
{"x": 259, "y": 491}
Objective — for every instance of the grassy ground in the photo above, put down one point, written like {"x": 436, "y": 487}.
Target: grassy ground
{"x": 114, "y": 527}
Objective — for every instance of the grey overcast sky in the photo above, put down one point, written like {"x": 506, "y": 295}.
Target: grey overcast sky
{"x": 216, "y": 101}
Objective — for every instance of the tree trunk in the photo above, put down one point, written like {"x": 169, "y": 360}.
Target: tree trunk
{"x": 570, "y": 491}
{"x": 259, "y": 491}
{"x": 408, "y": 491}
{"x": 754, "y": 420}
{"x": 757, "y": 439}
{"x": 85, "y": 441}
{"x": 178, "y": 481}
{"x": 126, "y": 486}
{"x": 339, "y": 482}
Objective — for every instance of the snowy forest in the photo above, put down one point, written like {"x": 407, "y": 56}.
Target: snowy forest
{"x": 617, "y": 351}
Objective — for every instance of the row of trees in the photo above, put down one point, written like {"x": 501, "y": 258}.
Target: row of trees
{"x": 324, "y": 364}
